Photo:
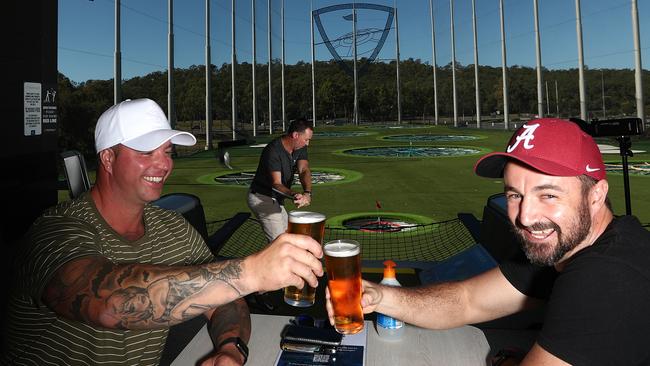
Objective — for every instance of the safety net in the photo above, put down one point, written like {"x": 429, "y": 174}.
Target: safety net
{"x": 429, "y": 242}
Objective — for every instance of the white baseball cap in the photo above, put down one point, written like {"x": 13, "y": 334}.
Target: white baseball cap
{"x": 139, "y": 124}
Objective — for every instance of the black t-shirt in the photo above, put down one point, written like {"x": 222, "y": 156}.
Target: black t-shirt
{"x": 598, "y": 311}
{"x": 275, "y": 158}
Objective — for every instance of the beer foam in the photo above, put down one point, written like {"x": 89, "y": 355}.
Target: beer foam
{"x": 305, "y": 217}
{"x": 341, "y": 249}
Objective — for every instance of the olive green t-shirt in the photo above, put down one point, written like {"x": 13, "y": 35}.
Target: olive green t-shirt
{"x": 73, "y": 229}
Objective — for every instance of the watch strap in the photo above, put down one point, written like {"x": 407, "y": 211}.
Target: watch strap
{"x": 239, "y": 344}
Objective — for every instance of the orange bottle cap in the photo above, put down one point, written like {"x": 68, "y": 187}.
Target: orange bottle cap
{"x": 389, "y": 269}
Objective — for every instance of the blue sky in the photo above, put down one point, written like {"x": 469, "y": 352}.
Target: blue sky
{"x": 86, "y": 33}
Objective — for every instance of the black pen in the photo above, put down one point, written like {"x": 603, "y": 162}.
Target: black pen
{"x": 307, "y": 348}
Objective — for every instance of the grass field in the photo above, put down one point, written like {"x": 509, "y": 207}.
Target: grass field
{"x": 438, "y": 187}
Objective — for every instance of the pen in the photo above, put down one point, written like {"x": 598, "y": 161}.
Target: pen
{"x": 307, "y": 348}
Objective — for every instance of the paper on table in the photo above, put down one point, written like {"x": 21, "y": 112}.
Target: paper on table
{"x": 359, "y": 340}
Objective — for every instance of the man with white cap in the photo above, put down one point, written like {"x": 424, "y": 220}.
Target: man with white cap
{"x": 102, "y": 278}
{"x": 591, "y": 267}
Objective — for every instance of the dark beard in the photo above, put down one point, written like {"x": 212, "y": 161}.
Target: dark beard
{"x": 576, "y": 233}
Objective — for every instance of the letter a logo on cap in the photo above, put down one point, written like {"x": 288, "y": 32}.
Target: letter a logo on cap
{"x": 526, "y": 136}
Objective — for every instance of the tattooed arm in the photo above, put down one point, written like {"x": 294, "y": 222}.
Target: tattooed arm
{"x": 96, "y": 291}
{"x": 226, "y": 321}
{"x": 137, "y": 296}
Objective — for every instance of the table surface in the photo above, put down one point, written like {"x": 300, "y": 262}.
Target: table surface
{"x": 459, "y": 346}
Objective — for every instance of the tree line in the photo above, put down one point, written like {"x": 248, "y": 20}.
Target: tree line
{"x": 80, "y": 104}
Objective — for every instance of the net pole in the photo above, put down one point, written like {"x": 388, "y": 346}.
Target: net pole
{"x": 504, "y": 69}
{"x": 397, "y": 80}
{"x": 477, "y": 91}
{"x": 434, "y": 64}
{"x": 313, "y": 73}
{"x": 171, "y": 113}
{"x": 208, "y": 88}
{"x": 254, "y": 63}
{"x": 354, "y": 40}
{"x": 453, "y": 60}
{"x": 538, "y": 58}
{"x": 233, "y": 62}
{"x": 581, "y": 64}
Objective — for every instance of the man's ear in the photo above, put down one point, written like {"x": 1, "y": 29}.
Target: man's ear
{"x": 598, "y": 194}
{"x": 106, "y": 159}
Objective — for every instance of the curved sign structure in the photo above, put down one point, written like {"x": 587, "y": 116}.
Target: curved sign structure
{"x": 363, "y": 35}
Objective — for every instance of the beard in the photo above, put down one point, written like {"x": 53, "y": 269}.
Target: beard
{"x": 549, "y": 254}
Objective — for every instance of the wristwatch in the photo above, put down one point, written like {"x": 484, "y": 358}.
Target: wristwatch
{"x": 239, "y": 344}
{"x": 307, "y": 192}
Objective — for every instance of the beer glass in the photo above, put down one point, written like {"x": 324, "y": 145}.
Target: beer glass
{"x": 312, "y": 224}
{"x": 343, "y": 263}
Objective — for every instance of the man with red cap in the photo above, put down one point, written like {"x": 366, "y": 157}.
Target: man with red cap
{"x": 100, "y": 279}
{"x": 591, "y": 267}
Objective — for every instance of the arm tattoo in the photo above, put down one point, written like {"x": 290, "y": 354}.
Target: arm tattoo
{"x": 139, "y": 296}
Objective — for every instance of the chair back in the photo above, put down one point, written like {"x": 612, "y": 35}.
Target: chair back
{"x": 187, "y": 205}
{"x": 75, "y": 173}
{"x": 496, "y": 234}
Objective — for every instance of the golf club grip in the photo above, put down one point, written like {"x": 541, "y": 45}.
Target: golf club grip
{"x": 283, "y": 194}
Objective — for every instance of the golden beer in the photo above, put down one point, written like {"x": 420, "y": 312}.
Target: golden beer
{"x": 312, "y": 224}
{"x": 343, "y": 263}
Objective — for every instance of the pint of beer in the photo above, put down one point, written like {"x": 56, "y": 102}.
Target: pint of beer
{"x": 312, "y": 224}
{"x": 343, "y": 263}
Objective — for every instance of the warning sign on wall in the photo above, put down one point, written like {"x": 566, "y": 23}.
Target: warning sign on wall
{"x": 32, "y": 105}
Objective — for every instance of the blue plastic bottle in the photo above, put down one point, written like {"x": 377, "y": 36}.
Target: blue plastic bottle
{"x": 388, "y": 327}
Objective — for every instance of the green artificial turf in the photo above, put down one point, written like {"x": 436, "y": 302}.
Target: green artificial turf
{"x": 438, "y": 187}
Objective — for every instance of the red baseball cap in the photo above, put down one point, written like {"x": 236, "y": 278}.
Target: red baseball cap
{"x": 553, "y": 146}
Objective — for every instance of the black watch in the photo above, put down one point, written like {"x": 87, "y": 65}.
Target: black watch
{"x": 239, "y": 344}
{"x": 308, "y": 192}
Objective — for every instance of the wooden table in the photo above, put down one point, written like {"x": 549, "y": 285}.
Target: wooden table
{"x": 419, "y": 347}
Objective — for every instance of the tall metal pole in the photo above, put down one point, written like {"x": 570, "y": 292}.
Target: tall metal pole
{"x": 538, "y": 54}
{"x": 233, "y": 62}
{"x": 399, "y": 99}
{"x": 557, "y": 101}
{"x": 208, "y": 81}
{"x": 548, "y": 107}
{"x": 504, "y": 68}
{"x": 638, "y": 70}
{"x": 284, "y": 113}
{"x": 254, "y": 62}
{"x": 354, "y": 63}
{"x": 477, "y": 91}
{"x": 171, "y": 113}
{"x": 453, "y": 60}
{"x": 117, "y": 59}
{"x": 434, "y": 64}
{"x": 313, "y": 73}
{"x": 581, "y": 64}
{"x": 270, "y": 63}
{"x": 602, "y": 92}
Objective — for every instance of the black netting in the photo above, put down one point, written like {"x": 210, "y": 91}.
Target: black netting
{"x": 432, "y": 242}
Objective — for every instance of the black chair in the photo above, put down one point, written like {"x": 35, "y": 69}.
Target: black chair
{"x": 496, "y": 235}
{"x": 76, "y": 173}
{"x": 187, "y": 205}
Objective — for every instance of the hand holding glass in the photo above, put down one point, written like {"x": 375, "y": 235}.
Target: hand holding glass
{"x": 343, "y": 262}
{"x": 312, "y": 224}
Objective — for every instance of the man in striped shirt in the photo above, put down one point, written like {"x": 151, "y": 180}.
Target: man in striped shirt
{"x": 100, "y": 279}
